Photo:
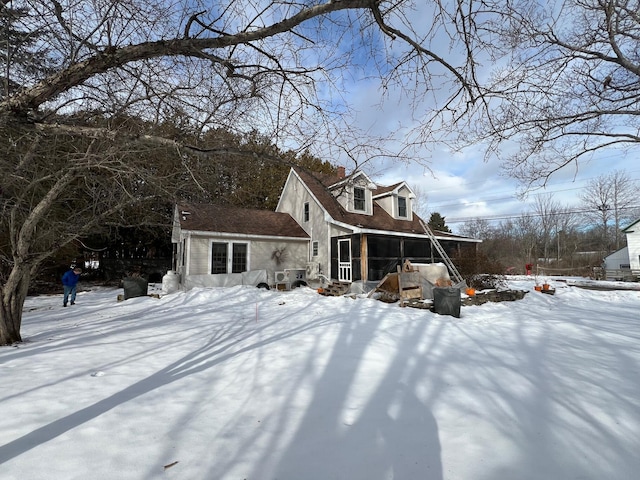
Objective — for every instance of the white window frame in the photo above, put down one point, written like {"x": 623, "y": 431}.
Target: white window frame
{"x": 315, "y": 248}
{"x": 364, "y": 199}
{"x": 305, "y": 212}
{"x": 406, "y": 207}
{"x": 230, "y": 244}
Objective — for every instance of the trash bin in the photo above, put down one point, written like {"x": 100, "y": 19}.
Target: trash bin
{"x": 134, "y": 287}
{"x": 446, "y": 301}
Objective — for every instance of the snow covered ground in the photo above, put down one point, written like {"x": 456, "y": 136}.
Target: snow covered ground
{"x": 243, "y": 383}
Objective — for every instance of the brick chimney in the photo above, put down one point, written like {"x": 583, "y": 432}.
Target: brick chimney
{"x": 341, "y": 172}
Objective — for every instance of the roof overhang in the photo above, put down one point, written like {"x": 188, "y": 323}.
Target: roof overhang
{"x": 363, "y": 230}
{"x": 202, "y": 233}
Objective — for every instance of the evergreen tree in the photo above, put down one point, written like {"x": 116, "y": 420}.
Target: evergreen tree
{"x": 23, "y": 56}
{"x": 437, "y": 222}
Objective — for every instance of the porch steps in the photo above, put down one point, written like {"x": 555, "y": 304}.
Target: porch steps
{"x": 335, "y": 289}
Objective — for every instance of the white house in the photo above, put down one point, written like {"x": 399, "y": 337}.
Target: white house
{"x": 216, "y": 245}
{"x": 360, "y": 231}
{"x": 625, "y": 263}
{"x": 325, "y": 228}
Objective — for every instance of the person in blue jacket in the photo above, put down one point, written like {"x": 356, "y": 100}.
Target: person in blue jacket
{"x": 70, "y": 283}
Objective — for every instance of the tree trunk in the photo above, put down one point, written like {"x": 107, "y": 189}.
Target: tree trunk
{"x": 13, "y": 294}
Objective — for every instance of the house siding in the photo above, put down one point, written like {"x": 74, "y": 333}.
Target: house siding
{"x": 629, "y": 255}
{"x": 199, "y": 261}
{"x": 260, "y": 254}
{"x": 633, "y": 244}
{"x": 616, "y": 259}
{"x": 294, "y": 196}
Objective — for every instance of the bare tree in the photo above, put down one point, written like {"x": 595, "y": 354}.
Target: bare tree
{"x": 567, "y": 83}
{"x": 609, "y": 199}
{"x": 241, "y": 65}
{"x": 525, "y": 230}
{"x": 421, "y": 202}
{"x": 625, "y": 202}
{"x": 547, "y": 212}
{"x": 476, "y": 228}
{"x": 565, "y": 222}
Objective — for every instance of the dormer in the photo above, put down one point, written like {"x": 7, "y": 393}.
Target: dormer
{"x": 397, "y": 200}
{"x": 355, "y": 193}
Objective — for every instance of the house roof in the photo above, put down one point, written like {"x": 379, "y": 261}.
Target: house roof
{"x": 382, "y": 190}
{"x": 380, "y": 220}
{"x": 626, "y": 229}
{"x": 227, "y": 219}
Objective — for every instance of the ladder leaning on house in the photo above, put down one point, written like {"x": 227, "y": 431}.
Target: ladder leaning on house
{"x": 447, "y": 261}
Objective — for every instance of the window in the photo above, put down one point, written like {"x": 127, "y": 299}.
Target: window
{"x": 358, "y": 199}
{"x": 306, "y": 211}
{"x": 221, "y": 262}
{"x": 239, "y": 261}
{"x": 219, "y": 257}
{"x": 402, "y": 207}
{"x": 314, "y": 249}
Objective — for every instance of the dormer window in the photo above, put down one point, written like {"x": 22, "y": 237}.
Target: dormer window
{"x": 402, "y": 207}
{"x": 359, "y": 199}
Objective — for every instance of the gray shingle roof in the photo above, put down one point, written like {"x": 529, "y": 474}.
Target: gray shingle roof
{"x": 380, "y": 220}
{"x": 226, "y": 219}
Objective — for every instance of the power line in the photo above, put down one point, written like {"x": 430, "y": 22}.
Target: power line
{"x": 508, "y": 216}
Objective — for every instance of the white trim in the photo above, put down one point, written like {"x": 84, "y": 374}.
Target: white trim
{"x": 395, "y": 191}
{"x": 624, "y": 230}
{"x": 204, "y": 233}
{"x": 398, "y": 234}
{"x": 304, "y": 185}
{"x": 345, "y": 269}
{"x": 406, "y": 216}
{"x": 350, "y": 178}
{"x": 352, "y": 203}
{"x": 187, "y": 267}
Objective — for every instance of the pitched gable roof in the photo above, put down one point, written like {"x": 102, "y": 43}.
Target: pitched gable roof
{"x": 226, "y": 219}
{"x": 382, "y": 190}
{"x": 319, "y": 185}
{"x": 627, "y": 228}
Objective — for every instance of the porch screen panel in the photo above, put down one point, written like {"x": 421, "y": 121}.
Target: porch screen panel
{"x": 239, "y": 258}
{"x": 417, "y": 250}
{"x": 384, "y": 256}
{"x": 334, "y": 257}
{"x": 219, "y": 257}
{"x": 356, "y": 252}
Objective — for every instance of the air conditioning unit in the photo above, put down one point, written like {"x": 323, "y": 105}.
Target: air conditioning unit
{"x": 281, "y": 277}
{"x": 312, "y": 270}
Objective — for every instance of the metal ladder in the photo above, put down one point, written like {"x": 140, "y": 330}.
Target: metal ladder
{"x": 447, "y": 261}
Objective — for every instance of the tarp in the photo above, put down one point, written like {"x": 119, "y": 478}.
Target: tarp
{"x": 254, "y": 277}
{"x": 431, "y": 274}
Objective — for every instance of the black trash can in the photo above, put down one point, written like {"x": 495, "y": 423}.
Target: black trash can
{"x": 447, "y": 301}
{"x": 134, "y": 287}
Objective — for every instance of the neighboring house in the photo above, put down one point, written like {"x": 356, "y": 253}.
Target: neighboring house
{"x": 328, "y": 228}
{"x": 625, "y": 263}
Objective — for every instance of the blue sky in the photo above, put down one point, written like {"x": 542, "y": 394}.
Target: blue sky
{"x": 462, "y": 185}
